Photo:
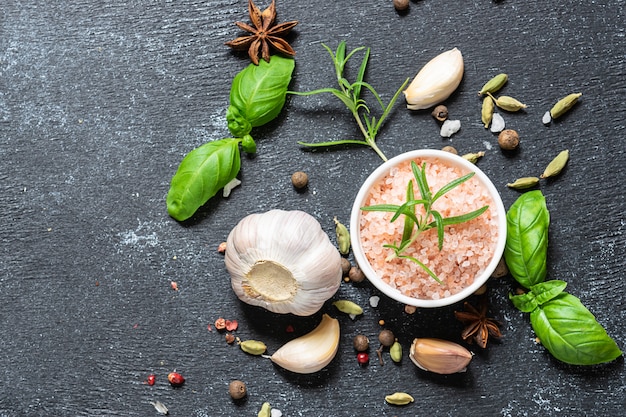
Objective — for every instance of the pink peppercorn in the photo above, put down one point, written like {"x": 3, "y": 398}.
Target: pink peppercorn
{"x": 362, "y": 358}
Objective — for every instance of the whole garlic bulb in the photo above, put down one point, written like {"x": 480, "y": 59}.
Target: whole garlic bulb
{"x": 283, "y": 261}
{"x": 436, "y": 81}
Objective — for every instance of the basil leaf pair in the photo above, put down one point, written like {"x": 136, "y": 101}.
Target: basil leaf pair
{"x": 257, "y": 96}
{"x": 567, "y": 329}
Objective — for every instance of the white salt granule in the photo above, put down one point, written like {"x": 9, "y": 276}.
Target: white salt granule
{"x": 497, "y": 123}
{"x": 547, "y": 118}
{"x": 449, "y": 128}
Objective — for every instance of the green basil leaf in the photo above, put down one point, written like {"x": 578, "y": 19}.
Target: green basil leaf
{"x": 571, "y": 333}
{"x": 200, "y": 175}
{"x": 538, "y": 295}
{"x": 527, "y": 238}
{"x": 525, "y": 303}
{"x": 259, "y": 91}
{"x": 248, "y": 144}
{"x": 546, "y": 291}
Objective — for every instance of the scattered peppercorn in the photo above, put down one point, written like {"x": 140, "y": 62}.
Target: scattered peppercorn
{"x": 386, "y": 337}
{"x": 231, "y": 325}
{"x": 237, "y": 389}
{"x": 151, "y": 379}
{"x": 362, "y": 358}
{"x": 381, "y": 322}
{"x": 361, "y": 343}
{"x": 508, "y": 139}
{"x": 401, "y": 5}
{"x": 230, "y": 338}
{"x": 176, "y": 379}
{"x": 221, "y": 248}
{"x": 356, "y": 275}
{"x": 299, "y": 180}
{"x": 440, "y": 113}
{"x": 409, "y": 309}
{"x": 220, "y": 324}
{"x": 450, "y": 149}
{"x": 345, "y": 266}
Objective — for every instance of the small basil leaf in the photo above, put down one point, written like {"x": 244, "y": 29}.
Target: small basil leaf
{"x": 525, "y": 303}
{"x": 571, "y": 333}
{"x": 200, "y": 175}
{"x": 527, "y": 238}
{"x": 248, "y": 144}
{"x": 238, "y": 125}
{"x": 546, "y": 291}
{"x": 259, "y": 91}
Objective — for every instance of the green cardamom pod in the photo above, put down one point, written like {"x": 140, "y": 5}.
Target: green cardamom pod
{"x": 487, "y": 111}
{"x": 564, "y": 104}
{"x": 253, "y": 347}
{"x": 509, "y": 103}
{"x": 556, "y": 165}
{"x": 523, "y": 183}
{"x": 343, "y": 237}
{"x": 266, "y": 410}
{"x": 473, "y": 157}
{"x": 348, "y": 307}
{"x": 399, "y": 398}
{"x": 494, "y": 84}
{"x": 395, "y": 351}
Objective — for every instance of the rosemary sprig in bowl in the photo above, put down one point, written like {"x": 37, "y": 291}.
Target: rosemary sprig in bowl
{"x": 414, "y": 224}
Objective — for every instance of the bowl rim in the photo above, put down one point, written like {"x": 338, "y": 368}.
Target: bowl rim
{"x": 355, "y": 232}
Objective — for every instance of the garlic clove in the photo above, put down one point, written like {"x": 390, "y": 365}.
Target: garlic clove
{"x": 283, "y": 261}
{"x": 439, "y": 356}
{"x": 436, "y": 81}
{"x": 313, "y": 351}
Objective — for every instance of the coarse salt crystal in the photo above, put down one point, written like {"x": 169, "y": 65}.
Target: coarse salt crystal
{"x": 374, "y": 301}
{"x": 449, "y": 128}
{"x": 497, "y": 123}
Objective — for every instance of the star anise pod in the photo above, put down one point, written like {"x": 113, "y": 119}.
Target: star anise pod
{"x": 264, "y": 34}
{"x": 477, "y": 326}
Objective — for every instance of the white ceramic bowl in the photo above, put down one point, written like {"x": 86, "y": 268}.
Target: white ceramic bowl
{"x": 355, "y": 231}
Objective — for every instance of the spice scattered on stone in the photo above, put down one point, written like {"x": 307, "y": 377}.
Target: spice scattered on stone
{"x": 345, "y": 267}
{"x": 440, "y": 113}
{"x": 401, "y": 5}
{"x": 508, "y": 139}
{"x": 374, "y": 300}
{"x": 361, "y": 343}
{"x": 237, "y": 389}
{"x": 497, "y": 123}
{"x": 449, "y": 128}
{"x": 299, "y": 180}
{"x": 450, "y": 149}
{"x": 356, "y": 275}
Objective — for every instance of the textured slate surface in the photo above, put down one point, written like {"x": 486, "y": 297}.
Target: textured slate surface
{"x": 99, "y": 102}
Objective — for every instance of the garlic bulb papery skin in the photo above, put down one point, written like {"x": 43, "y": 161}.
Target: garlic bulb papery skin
{"x": 283, "y": 261}
{"x": 436, "y": 81}
{"x": 313, "y": 351}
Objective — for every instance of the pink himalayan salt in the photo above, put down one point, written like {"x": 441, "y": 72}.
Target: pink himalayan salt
{"x": 467, "y": 248}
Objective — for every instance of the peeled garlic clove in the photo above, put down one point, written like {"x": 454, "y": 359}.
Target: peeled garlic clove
{"x": 313, "y": 351}
{"x": 439, "y": 356}
{"x": 436, "y": 81}
{"x": 283, "y": 261}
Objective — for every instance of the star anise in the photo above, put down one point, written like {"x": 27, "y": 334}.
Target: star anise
{"x": 477, "y": 326}
{"x": 264, "y": 34}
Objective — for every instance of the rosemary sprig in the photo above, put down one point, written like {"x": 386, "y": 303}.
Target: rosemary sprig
{"x": 350, "y": 95}
{"x": 414, "y": 225}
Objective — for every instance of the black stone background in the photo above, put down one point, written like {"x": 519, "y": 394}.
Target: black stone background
{"x": 100, "y": 101}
